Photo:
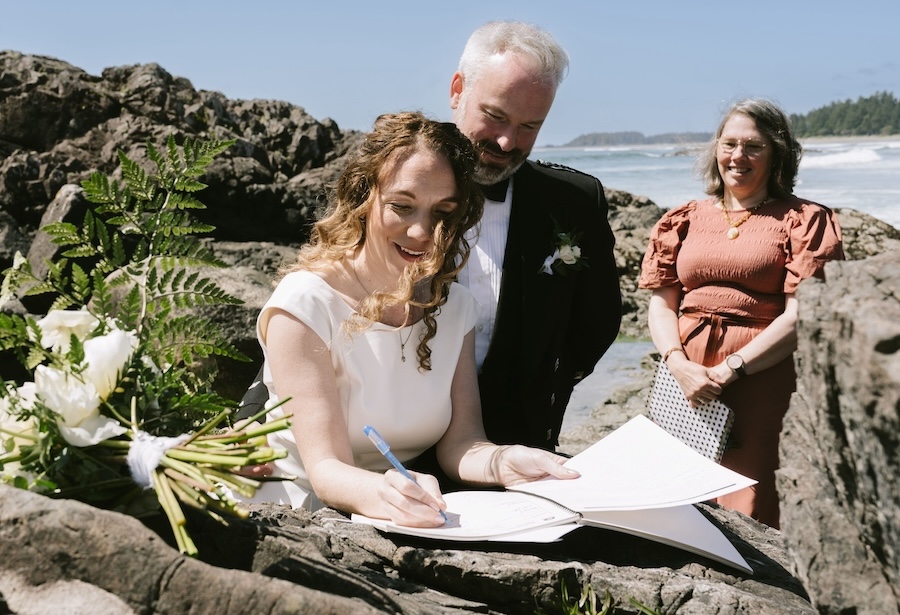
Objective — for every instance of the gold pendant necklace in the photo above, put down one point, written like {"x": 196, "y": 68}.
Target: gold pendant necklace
{"x": 733, "y": 231}
{"x": 399, "y": 332}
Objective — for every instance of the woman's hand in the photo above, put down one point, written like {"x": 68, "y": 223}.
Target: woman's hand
{"x": 414, "y": 504}
{"x": 257, "y": 471}
{"x": 516, "y": 464}
{"x": 697, "y": 382}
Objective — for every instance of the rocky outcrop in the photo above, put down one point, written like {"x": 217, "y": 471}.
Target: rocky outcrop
{"x": 63, "y": 556}
{"x": 840, "y": 455}
{"x": 58, "y": 124}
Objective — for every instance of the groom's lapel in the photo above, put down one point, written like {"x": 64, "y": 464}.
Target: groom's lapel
{"x": 533, "y": 225}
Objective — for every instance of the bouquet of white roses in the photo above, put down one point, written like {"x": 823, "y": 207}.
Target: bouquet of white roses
{"x": 114, "y": 407}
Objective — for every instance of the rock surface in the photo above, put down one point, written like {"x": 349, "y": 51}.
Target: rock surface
{"x": 58, "y": 124}
{"x": 64, "y": 556}
{"x": 840, "y": 455}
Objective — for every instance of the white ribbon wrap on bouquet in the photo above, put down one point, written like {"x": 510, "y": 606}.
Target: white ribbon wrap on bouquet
{"x": 145, "y": 453}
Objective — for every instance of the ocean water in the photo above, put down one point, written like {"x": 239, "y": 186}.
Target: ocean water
{"x": 863, "y": 174}
{"x": 860, "y": 173}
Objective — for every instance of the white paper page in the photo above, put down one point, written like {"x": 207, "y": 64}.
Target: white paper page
{"x": 635, "y": 467}
{"x": 684, "y": 527}
{"x": 484, "y": 515}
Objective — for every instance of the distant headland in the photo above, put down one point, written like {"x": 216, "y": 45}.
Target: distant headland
{"x": 603, "y": 139}
{"x": 876, "y": 115}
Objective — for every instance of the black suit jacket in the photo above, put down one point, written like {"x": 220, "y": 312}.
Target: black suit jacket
{"x": 550, "y": 330}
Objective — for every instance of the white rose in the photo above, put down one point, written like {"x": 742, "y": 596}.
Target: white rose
{"x": 569, "y": 254}
{"x": 58, "y": 326}
{"x": 78, "y": 406}
{"x": 22, "y": 398}
{"x": 20, "y": 431}
{"x": 106, "y": 357}
{"x": 73, "y": 400}
{"x": 93, "y": 430}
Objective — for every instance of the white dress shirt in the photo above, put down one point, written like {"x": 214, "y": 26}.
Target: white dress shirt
{"x": 483, "y": 271}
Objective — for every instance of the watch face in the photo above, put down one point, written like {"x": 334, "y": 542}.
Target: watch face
{"x": 734, "y": 362}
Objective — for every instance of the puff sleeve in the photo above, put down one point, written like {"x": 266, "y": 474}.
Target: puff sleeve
{"x": 814, "y": 238}
{"x": 658, "y": 267}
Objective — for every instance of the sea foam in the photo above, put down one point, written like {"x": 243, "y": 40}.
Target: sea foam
{"x": 840, "y": 159}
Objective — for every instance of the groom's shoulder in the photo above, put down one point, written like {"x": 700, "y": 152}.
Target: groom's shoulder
{"x": 555, "y": 173}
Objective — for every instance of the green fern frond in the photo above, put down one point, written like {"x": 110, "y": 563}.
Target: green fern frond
{"x": 129, "y": 257}
{"x": 15, "y": 277}
{"x": 190, "y": 185}
{"x": 129, "y": 308}
{"x": 186, "y": 201}
{"x": 100, "y": 190}
{"x": 188, "y": 337}
{"x": 176, "y": 289}
{"x": 187, "y": 254}
{"x": 63, "y": 233}
{"x": 82, "y": 286}
{"x": 62, "y": 302}
{"x": 102, "y": 299}
{"x": 37, "y": 289}
{"x": 35, "y": 357}
{"x": 82, "y": 251}
{"x": 199, "y": 154}
{"x": 13, "y": 332}
{"x": 138, "y": 182}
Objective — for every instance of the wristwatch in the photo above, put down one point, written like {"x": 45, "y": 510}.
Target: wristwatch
{"x": 736, "y": 363}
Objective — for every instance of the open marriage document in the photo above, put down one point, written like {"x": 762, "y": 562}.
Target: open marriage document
{"x": 639, "y": 480}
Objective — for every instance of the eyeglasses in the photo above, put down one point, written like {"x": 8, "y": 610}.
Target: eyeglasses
{"x": 751, "y": 148}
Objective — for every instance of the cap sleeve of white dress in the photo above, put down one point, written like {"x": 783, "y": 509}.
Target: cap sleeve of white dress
{"x": 464, "y": 302}
{"x": 309, "y": 299}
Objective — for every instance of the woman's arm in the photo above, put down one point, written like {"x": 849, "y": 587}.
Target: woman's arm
{"x": 774, "y": 344}
{"x": 301, "y": 368}
{"x": 465, "y": 453}
{"x": 662, "y": 317}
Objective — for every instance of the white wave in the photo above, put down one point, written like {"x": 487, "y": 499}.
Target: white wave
{"x": 856, "y": 156}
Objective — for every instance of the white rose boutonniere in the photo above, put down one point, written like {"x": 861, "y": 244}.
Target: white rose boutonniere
{"x": 566, "y": 255}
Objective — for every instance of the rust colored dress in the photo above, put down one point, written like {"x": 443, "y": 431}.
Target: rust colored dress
{"x": 731, "y": 290}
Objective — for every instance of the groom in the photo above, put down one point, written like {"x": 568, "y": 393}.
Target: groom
{"x": 542, "y": 269}
{"x": 542, "y": 265}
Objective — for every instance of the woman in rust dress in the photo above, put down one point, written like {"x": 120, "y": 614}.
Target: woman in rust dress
{"x": 724, "y": 271}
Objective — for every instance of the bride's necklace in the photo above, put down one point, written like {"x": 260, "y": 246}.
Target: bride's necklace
{"x": 403, "y": 343}
{"x": 733, "y": 225}
{"x": 399, "y": 331}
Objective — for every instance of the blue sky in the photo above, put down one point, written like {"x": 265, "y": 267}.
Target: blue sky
{"x": 652, "y": 66}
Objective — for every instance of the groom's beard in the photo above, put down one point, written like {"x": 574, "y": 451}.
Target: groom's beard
{"x": 487, "y": 173}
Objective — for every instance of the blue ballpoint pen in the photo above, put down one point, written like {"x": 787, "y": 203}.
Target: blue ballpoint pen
{"x": 385, "y": 450}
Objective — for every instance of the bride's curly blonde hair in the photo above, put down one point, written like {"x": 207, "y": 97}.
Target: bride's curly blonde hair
{"x": 342, "y": 227}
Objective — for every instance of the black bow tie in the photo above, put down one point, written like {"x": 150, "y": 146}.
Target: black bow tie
{"x": 496, "y": 192}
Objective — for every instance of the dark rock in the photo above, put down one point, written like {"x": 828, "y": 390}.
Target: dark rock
{"x": 283, "y": 561}
{"x": 58, "y": 124}
{"x": 840, "y": 448}
{"x": 866, "y": 236}
{"x": 631, "y": 218}
{"x": 250, "y": 273}
{"x": 11, "y": 238}
{"x": 61, "y": 556}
